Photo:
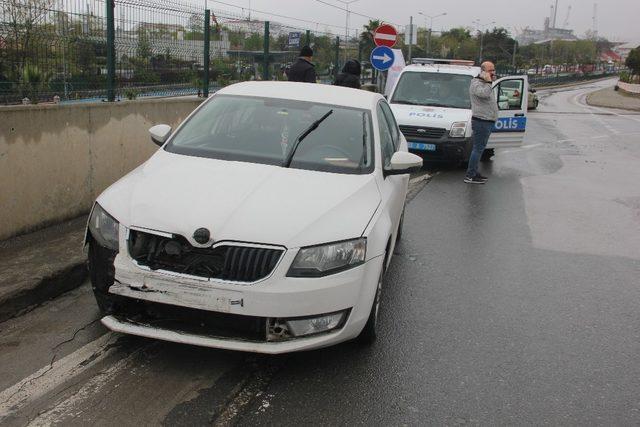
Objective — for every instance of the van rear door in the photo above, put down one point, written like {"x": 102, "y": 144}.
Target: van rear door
{"x": 512, "y": 95}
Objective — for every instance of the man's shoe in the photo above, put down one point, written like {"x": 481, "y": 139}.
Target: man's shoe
{"x": 484, "y": 178}
{"x": 474, "y": 180}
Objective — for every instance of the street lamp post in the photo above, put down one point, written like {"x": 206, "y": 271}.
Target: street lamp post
{"x": 480, "y": 26}
{"x": 431, "y": 18}
{"x": 346, "y": 26}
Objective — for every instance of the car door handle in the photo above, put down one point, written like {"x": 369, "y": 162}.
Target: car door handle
{"x": 519, "y": 114}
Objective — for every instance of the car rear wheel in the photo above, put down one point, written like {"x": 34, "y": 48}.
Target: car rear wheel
{"x": 369, "y": 333}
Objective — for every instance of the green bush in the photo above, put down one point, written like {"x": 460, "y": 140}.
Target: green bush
{"x": 625, "y": 77}
{"x": 131, "y": 93}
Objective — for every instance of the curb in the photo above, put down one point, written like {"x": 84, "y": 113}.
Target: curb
{"x": 46, "y": 289}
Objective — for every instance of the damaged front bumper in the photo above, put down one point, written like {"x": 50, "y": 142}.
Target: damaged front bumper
{"x": 278, "y": 314}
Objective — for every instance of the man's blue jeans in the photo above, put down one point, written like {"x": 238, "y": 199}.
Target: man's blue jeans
{"x": 481, "y": 133}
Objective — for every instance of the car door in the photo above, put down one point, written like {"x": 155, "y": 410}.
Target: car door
{"x": 512, "y": 95}
{"x": 394, "y": 187}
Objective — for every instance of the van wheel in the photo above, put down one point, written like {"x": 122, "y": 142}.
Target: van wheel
{"x": 487, "y": 154}
{"x": 369, "y": 332}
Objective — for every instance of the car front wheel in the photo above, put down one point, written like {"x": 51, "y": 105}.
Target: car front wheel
{"x": 369, "y": 333}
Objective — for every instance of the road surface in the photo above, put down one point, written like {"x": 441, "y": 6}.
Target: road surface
{"x": 515, "y": 302}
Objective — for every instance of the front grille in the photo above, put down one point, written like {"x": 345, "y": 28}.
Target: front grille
{"x": 227, "y": 262}
{"x": 422, "y": 132}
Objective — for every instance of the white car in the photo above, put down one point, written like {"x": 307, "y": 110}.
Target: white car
{"x": 264, "y": 223}
{"x": 431, "y": 102}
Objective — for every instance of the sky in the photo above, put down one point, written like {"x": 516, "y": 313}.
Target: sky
{"x": 616, "y": 19}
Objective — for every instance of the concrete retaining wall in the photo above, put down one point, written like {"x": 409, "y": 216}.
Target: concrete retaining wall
{"x": 56, "y": 159}
{"x": 631, "y": 88}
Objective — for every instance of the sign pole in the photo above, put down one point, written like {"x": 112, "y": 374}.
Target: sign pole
{"x": 410, "y": 36}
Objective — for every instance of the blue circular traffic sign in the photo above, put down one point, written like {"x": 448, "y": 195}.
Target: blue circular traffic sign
{"x": 382, "y": 58}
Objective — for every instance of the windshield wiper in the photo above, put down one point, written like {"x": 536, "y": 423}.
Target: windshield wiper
{"x": 405, "y": 102}
{"x": 435, "y": 104}
{"x": 363, "y": 159}
{"x": 303, "y": 135}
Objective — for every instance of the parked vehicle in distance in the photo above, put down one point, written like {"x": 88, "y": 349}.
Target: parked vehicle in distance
{"x": 264, "y": 223}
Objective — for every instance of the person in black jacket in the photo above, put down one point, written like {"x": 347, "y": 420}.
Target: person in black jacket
{"x": 303, "y": 70}
{"x": 350, "y": 75}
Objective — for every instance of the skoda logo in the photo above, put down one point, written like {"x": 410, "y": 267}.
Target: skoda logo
{"x": 201, "y": 235}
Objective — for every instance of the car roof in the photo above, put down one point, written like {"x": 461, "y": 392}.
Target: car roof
{"x": 443, "y": 68}
{"x": 311, "y": 92}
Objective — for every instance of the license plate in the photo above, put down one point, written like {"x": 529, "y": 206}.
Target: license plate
{"x": 421, "y": 146}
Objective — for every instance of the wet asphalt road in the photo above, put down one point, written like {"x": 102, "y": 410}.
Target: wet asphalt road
{"x": 515, "y": 302}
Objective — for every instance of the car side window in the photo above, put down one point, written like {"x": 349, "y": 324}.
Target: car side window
{"x": 386, "y": 138}
{"x": 393, "y": 125}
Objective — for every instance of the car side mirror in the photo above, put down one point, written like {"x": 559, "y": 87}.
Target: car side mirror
{"x": 159, "y": 134}
{"x": 402, "y": 163}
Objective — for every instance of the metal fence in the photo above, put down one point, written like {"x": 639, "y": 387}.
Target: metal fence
{"x": 83, "y": 50}
{"x": 560, "y": 78}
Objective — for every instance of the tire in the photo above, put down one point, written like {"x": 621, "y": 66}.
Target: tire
{"x": 106, "y": 303}
{"x": 369, "y": 332}
{"x": 399, "y": 233}
{"x": 487, "y": 155}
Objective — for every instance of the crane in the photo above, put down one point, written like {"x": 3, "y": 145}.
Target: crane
{"x": 565, "y": 24}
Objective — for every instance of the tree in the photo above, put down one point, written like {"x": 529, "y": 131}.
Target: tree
{"x": 633, "y": 61}
{"x": 366, "y": 37}
{"x": 22, "y": 19}
{"x": 456, "y": 43}
{"x": 498, "y": 46}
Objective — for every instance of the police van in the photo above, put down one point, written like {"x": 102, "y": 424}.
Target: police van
{"x": 430, "y": 101}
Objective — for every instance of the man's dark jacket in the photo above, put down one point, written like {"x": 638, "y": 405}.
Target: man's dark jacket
{"x": 350, "y": 75}
{"x": 302, "y": 71}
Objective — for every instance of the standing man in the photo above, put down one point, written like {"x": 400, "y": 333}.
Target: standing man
{"x": 484, "y": 113}
{"x": 350, "y": 75}
{"x": 303, "y": 70}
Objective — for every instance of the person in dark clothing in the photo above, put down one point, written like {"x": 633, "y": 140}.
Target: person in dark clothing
{"x": 350, "y": 75}
{"x": 303, "y": 70}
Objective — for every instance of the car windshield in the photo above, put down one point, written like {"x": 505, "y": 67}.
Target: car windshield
{"x": 263, "y": 130}
{"x": 434, "y": 89}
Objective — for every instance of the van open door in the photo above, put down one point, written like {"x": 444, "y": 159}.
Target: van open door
{"x": 512, "y": 94}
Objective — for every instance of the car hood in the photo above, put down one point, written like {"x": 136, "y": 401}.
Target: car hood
{"x": 416, "y": 115}
{"x": 242, "y": 201}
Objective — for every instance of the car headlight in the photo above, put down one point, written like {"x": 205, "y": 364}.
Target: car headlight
{"x": 104, "y": 228}
{"x": 458, "y": 129}
{"x": 322, "y": 260}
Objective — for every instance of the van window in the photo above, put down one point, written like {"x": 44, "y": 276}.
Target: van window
{"x": 434, "y": 89}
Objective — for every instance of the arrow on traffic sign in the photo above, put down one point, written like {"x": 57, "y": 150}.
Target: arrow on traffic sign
{"x": 385, "y": 58}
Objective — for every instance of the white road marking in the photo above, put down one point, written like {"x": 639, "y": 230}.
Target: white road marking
{"x": 65, "y": 408}
{"x": 51, "y": 376}
{"x": 585, "y": 107}
{"x": 524, "y": 147}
